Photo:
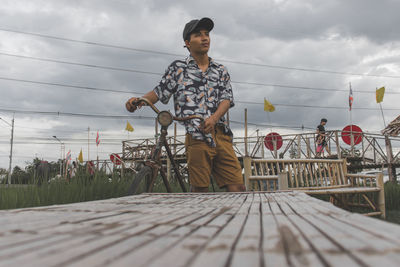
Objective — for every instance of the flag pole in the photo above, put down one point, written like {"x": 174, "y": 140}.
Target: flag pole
{"x": 383, "y": 117}
{"x": 269, "y": 120}
{"x": 88, "y": 149}
{"x": 351, "y": 121}
{"x": 379, "y": 101}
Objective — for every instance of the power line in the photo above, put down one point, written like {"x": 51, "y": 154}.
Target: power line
{"x": 149, "y": 73}
{"x": 71, "y": 114}
{"x": 68, "y": 85}
{"x": 80, "y": 64}
{"x": 140, "y": 93}
{"x": 313, "y": 106}
{"x": 180, "y": 55}
{"x": 109, "y": 116}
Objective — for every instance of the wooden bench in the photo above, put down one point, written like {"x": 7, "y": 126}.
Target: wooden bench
{"x": 318, "y": 177}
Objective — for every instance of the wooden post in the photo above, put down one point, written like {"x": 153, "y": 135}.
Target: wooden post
{"x": 275, "y": 147}
{"x": 282, "y": 181}
{"x": 308, "y": 147}
{"x": 298, "y": 146}
{"x": 247, "y": 171}
{"x": 168, "y": 169}
{"x": 339, "y": 153}
{"x": 389, "y": 152}
{"x": 174, "y": 138}
{"x": 156, "y": 129}
{"x": 262, "y": 147}
{"x": 246, "y": 153}
{"x": 381, "y": 194}
{"x": 362, "y": 149}
{"x": 122, "y": 169}
{"x": 352, "y": 141}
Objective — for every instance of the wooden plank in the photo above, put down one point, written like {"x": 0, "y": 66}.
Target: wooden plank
{"x": 373, "y": 226}
{"x": 348, "y": 190}
{"x": 285, "y": 238}
{"x": 248, "y": 250}
{"x": 218, "y": 251}
{"x": 328, "y": 253}
{"x": 160, "y": 239}
{"x": 354, "y": 242}
{"x": 215, "y": 229}
{"x": 265, "y": 177}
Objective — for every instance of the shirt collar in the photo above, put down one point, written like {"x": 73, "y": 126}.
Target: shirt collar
{"x": 190, "y": 61}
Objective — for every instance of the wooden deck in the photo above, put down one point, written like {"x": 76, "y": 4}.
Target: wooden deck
{"x": 225, "y": 229}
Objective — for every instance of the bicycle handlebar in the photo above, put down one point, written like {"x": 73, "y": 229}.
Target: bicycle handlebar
{"x": 148, "y": 103}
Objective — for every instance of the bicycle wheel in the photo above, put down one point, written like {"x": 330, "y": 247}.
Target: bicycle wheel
{"x": 141, "y": 182}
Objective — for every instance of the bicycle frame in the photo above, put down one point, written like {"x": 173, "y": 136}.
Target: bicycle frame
{"x": 165, "y": 119}
{"x": 155, "y": 162}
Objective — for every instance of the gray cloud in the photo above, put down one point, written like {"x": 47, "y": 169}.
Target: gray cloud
{"x": 344, "y": 36}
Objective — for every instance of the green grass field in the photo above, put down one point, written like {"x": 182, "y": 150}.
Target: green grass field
{"x": 83, "y": 188}
{"x": 79, "y": 189}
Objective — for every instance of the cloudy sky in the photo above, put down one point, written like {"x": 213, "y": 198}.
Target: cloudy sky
{"x": 87, "y": 57}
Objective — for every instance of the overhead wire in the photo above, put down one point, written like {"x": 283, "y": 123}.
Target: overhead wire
{"x": 139, "y": 93}
{"x": 176, "y": 54}
{"x": 154, "y": 73}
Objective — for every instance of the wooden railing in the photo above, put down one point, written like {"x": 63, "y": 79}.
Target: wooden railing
{"x": 301, "y": 173}
{"x": 317, "y": 177}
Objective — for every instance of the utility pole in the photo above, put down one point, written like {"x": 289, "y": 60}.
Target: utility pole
{"x": 11, "y": 149}
{"x": 88, "y": 133}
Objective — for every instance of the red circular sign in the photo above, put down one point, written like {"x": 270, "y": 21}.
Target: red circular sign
{"x": 272, "y": 138}
{"x": 116, "y": 159}
{"x": 352, "y": 130}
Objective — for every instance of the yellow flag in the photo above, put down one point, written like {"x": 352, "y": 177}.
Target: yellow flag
{"x": 379, "y": 94}
{"x": 80, "y": 157}
{"x": 268, "y": 106}
{"x": 129, "y": 127}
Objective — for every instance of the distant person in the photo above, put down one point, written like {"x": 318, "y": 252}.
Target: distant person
{"x": 201, "y": 86}
{"x": 321, "y": 138}
{"x": 73, "y": 169}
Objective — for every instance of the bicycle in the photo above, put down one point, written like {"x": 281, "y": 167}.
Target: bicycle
{"x": 144, "y": 180}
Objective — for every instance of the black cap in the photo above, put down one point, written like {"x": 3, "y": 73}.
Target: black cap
{"x": 191, "y": 26}
{"x": 324, "y": 120}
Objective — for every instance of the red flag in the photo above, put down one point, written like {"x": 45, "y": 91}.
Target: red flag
{"x": 350, "y": 98}
{"x": 68, "y": 157}
{"x": 97, "y": 139}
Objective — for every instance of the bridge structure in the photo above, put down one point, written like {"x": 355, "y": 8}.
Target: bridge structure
{"x": 373, "y": 151}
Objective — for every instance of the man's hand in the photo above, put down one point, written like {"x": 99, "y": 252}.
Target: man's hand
{"x": 131, "y": 105}
{"x": 209, "y": 124}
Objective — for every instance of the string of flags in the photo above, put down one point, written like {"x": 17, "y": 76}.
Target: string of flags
{"x": 268, "y": 107}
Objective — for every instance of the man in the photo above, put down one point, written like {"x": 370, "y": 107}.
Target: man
{"x": 321, "y": 138}
{"x": 201, "y": 86}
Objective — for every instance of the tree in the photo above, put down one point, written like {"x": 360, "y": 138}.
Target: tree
{"x": 19, "y": 176}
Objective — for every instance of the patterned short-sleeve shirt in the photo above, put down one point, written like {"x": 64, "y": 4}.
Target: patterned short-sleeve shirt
{"x": 196, "y": 93}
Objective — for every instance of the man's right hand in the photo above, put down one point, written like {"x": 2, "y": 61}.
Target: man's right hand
{"x": 132, "y": 104}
